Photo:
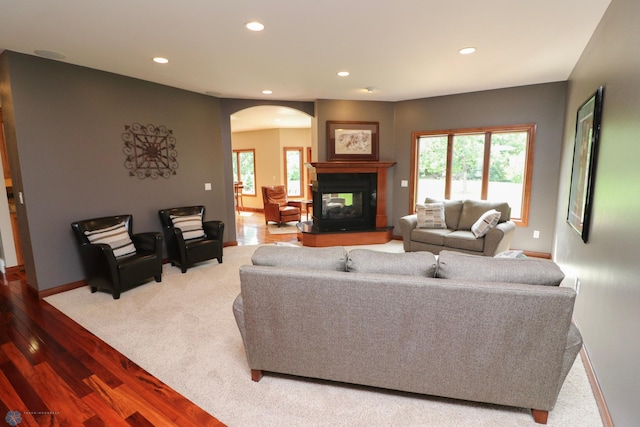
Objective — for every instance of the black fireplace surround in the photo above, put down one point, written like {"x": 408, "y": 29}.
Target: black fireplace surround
{"x": 344, "y": 201}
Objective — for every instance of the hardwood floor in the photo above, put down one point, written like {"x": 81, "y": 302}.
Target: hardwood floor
{"x": 251, "y": 230}
{"x": 53, "y": 372}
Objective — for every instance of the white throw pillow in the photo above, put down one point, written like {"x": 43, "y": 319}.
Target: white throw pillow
{"x": 116, "y": 236}
{"x": 190, "y": 225}
{"x": 486, "y": 222}
{"x": 431, "y": 215}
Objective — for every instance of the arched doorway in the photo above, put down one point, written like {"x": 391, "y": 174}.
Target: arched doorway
{"x": 270, "y": 145}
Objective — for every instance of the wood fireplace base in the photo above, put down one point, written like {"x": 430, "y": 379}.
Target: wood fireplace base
{"x": 308, "y": 237}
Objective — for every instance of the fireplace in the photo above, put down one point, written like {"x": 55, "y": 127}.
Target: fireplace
{"x": 349, "y": 204}
{"x": 344, "y": 201}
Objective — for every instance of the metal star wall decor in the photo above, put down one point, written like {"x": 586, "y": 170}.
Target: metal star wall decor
{"x": 150, "y": 150}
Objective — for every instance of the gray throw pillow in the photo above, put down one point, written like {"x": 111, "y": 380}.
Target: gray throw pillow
{"x": 404, "y": 263}
{"x": 332, "y": 258}
{"x": 529, "y": 271}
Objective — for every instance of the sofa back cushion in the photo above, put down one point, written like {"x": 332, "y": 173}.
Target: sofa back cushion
{"x": 472, "y": 210}
{"x": 528, "y": 271}
{"x": 404, "y": 264}
{"x": 305, "y": 258}
{"x": 452, "y": 210}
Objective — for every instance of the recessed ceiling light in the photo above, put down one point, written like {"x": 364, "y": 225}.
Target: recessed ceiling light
{"x": 267, "y": 92}
{"x": 160, "y": 60}
{"x": 467, "y": 50}
{"x": 49, "y": 54}
{"x": 343, "y": 73}
{"x": 254, "y": 26}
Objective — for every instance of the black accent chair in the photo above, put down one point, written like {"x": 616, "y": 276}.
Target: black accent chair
{"x": 184, "y": 253}
{"x": 104, "y": 270}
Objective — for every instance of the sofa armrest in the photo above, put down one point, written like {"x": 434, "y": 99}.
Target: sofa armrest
{"x": 149, "y": 242}
{"x": 407, "y": 224}
{"x": 214, "y": 229}
{"x": 272, "y": 211}
{"x": 498, "y": 239}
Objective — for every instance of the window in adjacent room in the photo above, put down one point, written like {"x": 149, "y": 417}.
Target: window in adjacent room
{"x": 293, "y": 171}
{"x": 482, "y": 163}
{"x": 244, "y": 170}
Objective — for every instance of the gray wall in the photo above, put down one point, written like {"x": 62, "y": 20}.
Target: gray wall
{"x": 608, "y": 305}
{"x": 365, "y": 111}
{"x": 542, "y": 104}
{"x": 64, "y": 135}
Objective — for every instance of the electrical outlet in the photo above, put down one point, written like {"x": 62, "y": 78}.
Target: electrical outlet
{"x": 577, "y": 286}
{"x": 536, "y": 234}
{"x": 404, "y": 183}
{"x": 207, "y": 186}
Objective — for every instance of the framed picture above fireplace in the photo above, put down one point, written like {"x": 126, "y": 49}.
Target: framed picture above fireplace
{"x": 352, "y": 140}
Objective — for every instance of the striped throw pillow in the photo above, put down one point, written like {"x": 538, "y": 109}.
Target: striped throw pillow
{"x": 116, "y": 236}
{"x": 486, "y": 222}
{"x": 431, "y": 215}
{"x": 191, "y": 225}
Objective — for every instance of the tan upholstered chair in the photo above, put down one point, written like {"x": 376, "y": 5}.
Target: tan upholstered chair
{"x": 277, "y": 207}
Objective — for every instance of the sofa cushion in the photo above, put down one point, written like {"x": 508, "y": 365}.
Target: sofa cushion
{"x": 529, "y": 271}
{"x": 116, "y": 236}
{"x": 463, "y": 239}
{"x": 306, "y": 258}
{"x": 473, "y": 209}
{"x": 190, "y": 225}
{"x": 486, "y": 222}
{"x": 431, "y": 215}
{"x": 405, "y": 263}
{"x": 432, "y": 236}
{"x": 452, "y": 210}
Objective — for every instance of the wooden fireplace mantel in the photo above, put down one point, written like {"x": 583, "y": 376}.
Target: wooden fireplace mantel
{"x": 351, "y": 167}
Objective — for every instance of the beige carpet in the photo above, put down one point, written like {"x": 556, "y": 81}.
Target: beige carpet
{"x": 287, "y": 228}
{"x": 183, "y": 331}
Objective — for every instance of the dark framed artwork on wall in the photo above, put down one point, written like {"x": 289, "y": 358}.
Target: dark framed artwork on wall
{"x": 585, "y": 154}
{"x": 352, "y": 140}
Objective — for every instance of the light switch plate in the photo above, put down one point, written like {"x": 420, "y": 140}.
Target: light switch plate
{"x": 404, "y": 183}
{"x": 207, "y": 186}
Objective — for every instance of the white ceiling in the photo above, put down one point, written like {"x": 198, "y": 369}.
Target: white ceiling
{"x": 406, "y": 49}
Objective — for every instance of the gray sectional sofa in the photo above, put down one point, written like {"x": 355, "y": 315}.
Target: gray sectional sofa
{"x": 494, "y": 330}
{"x": 460, "y": 215}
